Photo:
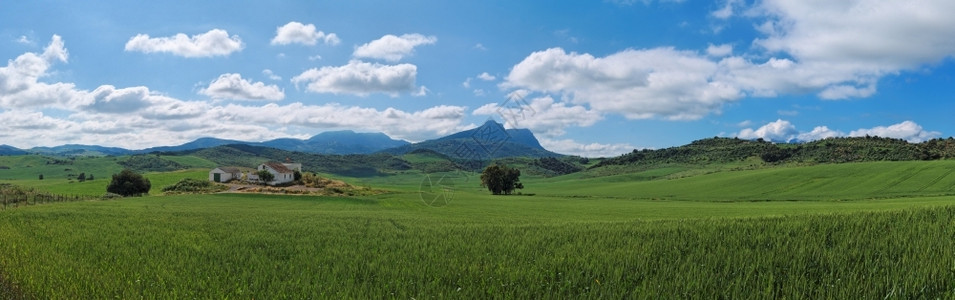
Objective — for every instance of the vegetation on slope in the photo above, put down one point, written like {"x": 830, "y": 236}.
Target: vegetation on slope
{"x": 151, "y": 163}
{"x": 831, "y": 150}
{"x": 194, "y": 186}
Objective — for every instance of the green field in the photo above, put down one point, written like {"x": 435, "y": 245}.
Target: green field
{"x": 861, "y": 230}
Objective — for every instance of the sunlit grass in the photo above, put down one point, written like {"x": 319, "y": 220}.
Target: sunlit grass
{"x": 252, "y": 246}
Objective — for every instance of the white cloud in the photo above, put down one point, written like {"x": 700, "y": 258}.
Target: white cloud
{"x": 778, "y": 131}
{"x": 784, "y": 131}
{"x": 847, "y": 91}
{"x": 541, "y": 115}
{"x": 719, "y": 50}
{"x": 422, "y": 91}
{"x": 836, "y": 49}
{"x": 19, "y": 80}
{"x": 486, "y": 77}
{"x": 15, "y": 120}
{"x": 871, "y": 35}
{"x": 137, "y": 117}
{"x": 393, "y": 48}
{"x": 639, "y": 84}
{"x": 360, "y": 78}
{"x": 726, "y": 11}
{"x": 819, "y": 133}
{"x": 467, "y": 83}
{"x": 412, "y": 126}
{"x": 216, "y": 42}
{"x": 295, "y": 32}
{"x": 570, "y": 147}
{"x": 109, "y": 99}
{"x": 271, "y": 75}
{"x": 233, "y": 86}
{"x": 851, "y": 44}
{"x": 24, "y": 40}
{"x": 907, "y": 130}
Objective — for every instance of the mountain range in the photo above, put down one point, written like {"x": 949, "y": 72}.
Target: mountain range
{"x": 488, "y": 140}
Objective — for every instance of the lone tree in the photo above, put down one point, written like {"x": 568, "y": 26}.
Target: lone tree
{"x": 501, "y": 179}
{"x": 128, "y": 183}
{"x": 265, "y": 176}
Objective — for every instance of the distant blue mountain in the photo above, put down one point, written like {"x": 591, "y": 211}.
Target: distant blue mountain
{"x": 201, "y": 143}
{"x": 331, "y": 142}
{"x": 489, "y": 140}
{"x": 486, "y": 141}
{"x": 10, "y": 150}
{"x": 80, "y": 150}
{"x": 350, "y": 142}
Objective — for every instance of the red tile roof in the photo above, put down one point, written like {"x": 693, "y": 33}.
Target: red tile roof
{"x": 278, "y": 167}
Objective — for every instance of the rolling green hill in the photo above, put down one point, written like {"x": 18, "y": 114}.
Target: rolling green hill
{"x": 825, "y": 182}
{"x": 832, "y": 150}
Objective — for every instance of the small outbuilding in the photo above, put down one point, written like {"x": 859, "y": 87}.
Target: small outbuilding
{"x": 225, "y": 174}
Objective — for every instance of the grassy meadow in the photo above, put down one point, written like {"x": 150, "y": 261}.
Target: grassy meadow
{"x": 861, "y": 230}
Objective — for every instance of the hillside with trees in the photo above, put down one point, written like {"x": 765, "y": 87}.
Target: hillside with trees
{"x": 831, "y": 150}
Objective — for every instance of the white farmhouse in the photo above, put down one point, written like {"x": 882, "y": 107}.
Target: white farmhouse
{"x": 281, "y": 173}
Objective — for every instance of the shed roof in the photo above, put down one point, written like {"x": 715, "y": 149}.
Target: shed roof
{"x": 232, "y": 170}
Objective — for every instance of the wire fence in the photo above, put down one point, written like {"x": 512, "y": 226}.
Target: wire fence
{"x": 12, "y": 196}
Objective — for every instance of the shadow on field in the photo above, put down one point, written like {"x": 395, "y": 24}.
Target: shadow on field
{"x": 8, "y": 290}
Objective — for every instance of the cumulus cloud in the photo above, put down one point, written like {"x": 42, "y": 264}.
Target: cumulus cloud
{"x": 138, "y": 117}
{"x": 778, "y": 131}
{"x": 784, "y": 131}
{"x": 233, "y": 86}
{"x": 19, "y": 79}
{"x": 719, "y": 50}
{"x": 422, "y": 91}
{"x": 726, "y": 11}
{"x": 571, "y": 147}
{"x": 639, "y": 84}
{"x": 24, "y": 40}
{"x": 872, "y": 36}
{"x": 109, "y": 99}
{"x": 907, "y": 130}
{"x": 298, "y": 33}
{"x": 857, "y": 41}
{"x": 359, "y": 78}
{"x": 215, "y": 42}
{"x": 486, "y": 77}
{"x": 393, "y": 48}
{"x": 412, "y": 126}
{"x": 837, "y": 50}
{"x": 541, "y": 115}
{"x": 271, "y": 75}
{"x": 819, "y": 133}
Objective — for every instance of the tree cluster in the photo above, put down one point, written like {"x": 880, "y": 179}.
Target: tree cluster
{"x": 128, "y": 183}
{"x": 500, "y": 179}
{"x": 559, "y": 167}
{"x": 151, "y": 163}
{"x": 265, "y": 176}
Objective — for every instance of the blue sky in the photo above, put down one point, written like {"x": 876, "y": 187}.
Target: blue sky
{"x": 587, "y": 77}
